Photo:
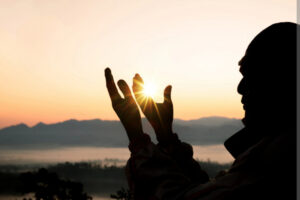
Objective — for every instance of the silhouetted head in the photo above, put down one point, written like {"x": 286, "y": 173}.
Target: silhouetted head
{"x": 268, "y": 87}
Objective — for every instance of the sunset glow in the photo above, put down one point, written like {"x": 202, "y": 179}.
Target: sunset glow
{"x": 53, "y": 54}
{"x": 150, "y": 89}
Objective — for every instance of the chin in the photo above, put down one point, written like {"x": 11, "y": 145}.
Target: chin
{"x": 244, "y": 121}
{"x": 247, "y": 120}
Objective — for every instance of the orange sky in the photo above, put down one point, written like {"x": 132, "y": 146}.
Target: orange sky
{"x": 53, "y": 54}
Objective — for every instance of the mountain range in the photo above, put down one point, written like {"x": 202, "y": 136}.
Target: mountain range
{"x": 105, "y": 133}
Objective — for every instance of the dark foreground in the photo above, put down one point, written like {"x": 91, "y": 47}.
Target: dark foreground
{"x": 96, "y": 179}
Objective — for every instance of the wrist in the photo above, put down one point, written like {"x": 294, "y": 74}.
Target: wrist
{"x": 167, "y": 139}
{"x": 134, "y": 133}
{"x": 139, "y": 142}
{"x": 164, "y": 130}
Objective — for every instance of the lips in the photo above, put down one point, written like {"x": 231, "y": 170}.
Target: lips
{"x": 244, "y": 102}
{"x": 243, "y": 99}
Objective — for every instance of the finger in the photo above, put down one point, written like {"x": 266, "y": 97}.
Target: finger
{"x": 139, "y": 78}
{"x": 138, "y": 83}
{"x": 111, "y": 86}
{"x": 125, "y": 89}
{"x": 138, "y": 86}
{"x": 167, "y": 94}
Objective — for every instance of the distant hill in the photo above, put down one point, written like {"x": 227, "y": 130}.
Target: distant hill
{"x": 104, "y": 133}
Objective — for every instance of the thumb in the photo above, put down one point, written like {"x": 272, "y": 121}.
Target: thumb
{"x": 167, "y": 94}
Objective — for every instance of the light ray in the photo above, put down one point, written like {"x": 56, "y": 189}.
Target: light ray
{"x": 149, "y": 89}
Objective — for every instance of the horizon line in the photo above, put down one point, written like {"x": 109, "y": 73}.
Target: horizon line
{"x": 81, "y": 120}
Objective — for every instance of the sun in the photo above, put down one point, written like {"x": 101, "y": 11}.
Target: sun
{"x": 149, "y": 89}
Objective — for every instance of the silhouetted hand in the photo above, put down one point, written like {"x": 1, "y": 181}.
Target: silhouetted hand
{"x": 126, "y": 108}
{"x": 160, "y": 115}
